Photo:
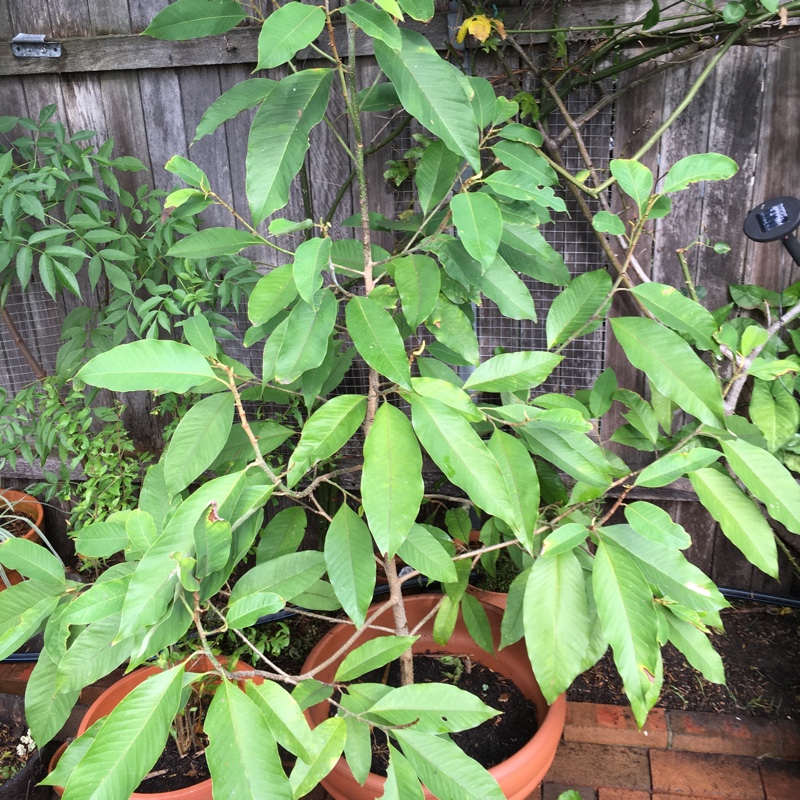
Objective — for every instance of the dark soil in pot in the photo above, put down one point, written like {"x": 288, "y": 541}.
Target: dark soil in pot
{"x": 19, "y": 774}
{"x": 173, "y": 771}
{"x": 496, "y": 739}
{"x": 760, "y": 649}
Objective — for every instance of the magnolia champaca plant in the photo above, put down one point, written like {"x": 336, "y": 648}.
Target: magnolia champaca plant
{"x": 197, "y": 553}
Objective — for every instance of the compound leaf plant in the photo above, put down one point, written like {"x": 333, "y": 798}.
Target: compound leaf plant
{"x": 530, "y": 465}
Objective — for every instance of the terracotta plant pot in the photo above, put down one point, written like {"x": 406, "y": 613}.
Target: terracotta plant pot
{"x": 498, "y": 599}
{"x": 29, "y": 506}
{"x": 519, "y": 775}
{"x": 112, "y": 697}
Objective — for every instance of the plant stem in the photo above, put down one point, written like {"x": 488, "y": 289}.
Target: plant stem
{"x": 38, "y": 370}
{"x": 400, "y": 619}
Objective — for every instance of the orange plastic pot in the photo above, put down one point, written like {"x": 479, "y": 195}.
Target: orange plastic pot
{"x": 21, "y": 503}
{"x": 112, "y": 697}
{"x": 498, "y": 599}
{"x": 519, "y": 775}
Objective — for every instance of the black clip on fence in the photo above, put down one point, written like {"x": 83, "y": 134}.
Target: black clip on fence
{"x": 776, "y": 219}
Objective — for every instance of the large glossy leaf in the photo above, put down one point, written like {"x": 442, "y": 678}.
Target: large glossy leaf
{"x": 371, "y": 655}
{"x": 425, "y": 553}
{"x": 310, "y": 259}
{"x": 391, "y": 481}
{"x": 445, "y": 769}
{"x": 654, "y": 523}
{"x": 695, "y": 645}
{"x": 433, "y": 91}
{"x": 325, "y": 745}
{"x": 446, "y": 392}
{"x": 279, "y": 138}
{"x": 673, "y": 367}
{"x": 520, "y": 156}
{"x": 767, "y": 479}
{"x": 350, "y": 562}
{"x": 375, "y": 22}
{"x": 667, "y": 569}
{"x": 325, "y": 432}
{"x": 33, "y": 561}
{"x": 241, "y": 97}
{"x": 630, "y": 623}
{"x": 213, "y": 242}
{"x": 510, "y": 372}
{"x": 775, "y": 411}
{"x": 186, "y": 19}
{"x": 197, "y": 441}
{"x": 460, "y": 453}
{"x": 556, "y": 622}
{"x": 242, "y": 754}
{"x": 274, "y": 292}
{"x": 286, "y": 575}
{"x": 401, "y": 780}
{"x": 739, "y": 517}
{"x": 634, "y": 179}
{"x": 699, "y": 167}
{"x": 378, "y": 340}
{"x": 420, "y": 10}
{"x": 283, "y": 534}
{"x": 519, "y": 473}
{"x": 46, "y": 709}
{"x": 479, "y": 224}
{"x": 453, "y": 328}
{"x": 130, "y": 741}
{"x": 305, "y": 338}
{"x": 147, "y": 365}
{"x": 417, "y": 280}
{"x": 677, "y": 311}
{"x": 670, "y": 467}
{"x": 23, "y": 608}
{"x": 576, "y": 311}
{"x": 436, "y": 174}
{"x": 289, "y": 28}
{"x": 502, "y": 285}
{"x": 283, "y": 715}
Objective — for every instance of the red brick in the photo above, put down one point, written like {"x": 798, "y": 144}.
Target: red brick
{"x": 622, "y": 794}
{"x": 781, "y": 779}
{"x": 660, "y": 796}
{"x": 790, "y": 739}
{"x": 14, "y": 677}
{"x": 579, "y": 764}
{"x": 609, "y": 724}
{"x": 552, "y": 791}
{"x": 702, "y": 732}
{"x": 722, "y": 777}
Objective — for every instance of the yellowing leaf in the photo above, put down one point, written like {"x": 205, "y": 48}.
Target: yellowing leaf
{"x": 479, "y": 26}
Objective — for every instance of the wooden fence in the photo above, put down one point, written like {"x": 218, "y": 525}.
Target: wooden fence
{"x": 149, "y": 96}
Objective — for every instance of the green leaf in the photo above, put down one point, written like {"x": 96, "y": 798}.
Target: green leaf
{"x": 453, "y": 328}
{"x": 187, "y": 19}
{"x": 283, "y": 715}
{"x": 775, "y": 411}
{"x": 511, "y": 372}
{"x": 519, "y": 473}
{"x": 695, "y": 645}
{"x": 46, "y": 709}
{"x": 391, "y": 481}
{"x": 371, "y": 655}
{"x": 213, "y": 242}
{"x": 502, "y": 285}
{"x": 656, "y": 524}
{"x": 401, "y": 780}
{"x": 32, "y": 560}
{"x": 325, "y": 745}
{"x": 578, "y": 310}
{"x": 670, "y": 467}
{"x": 417, "y": 280}
{"x": 433, "y": 91}
{"x": 246, "y": 611}
{"x": 198, "y": 440}
{"x": 273, "y": 293}
{"x": 350, "y": 562}
{"x": 101, "y": 539}
{"x": 557, "y": 622}
{"x": 767, "y": 479}
{"x": 305, "y": 340}
{"x": 699, "y": 167}
{"x": 378, "y": 340}
{"x": 279, "y": 136}
{"x": 188, "y": 172}
{"x": 283, "y": 534}
{"x": 640, "y": 414}
{"x": 445, "y": 769}
{"x": 673, "y": 367}
{"x": 680, "y": 313}
{"x": 630, "y": 623}
{"x": 564, "y": 539}
{"x": 460, "y": 453}
{"x": 436, "y": 174}
{"x": 286, "y": 30}
{"x": 199, "y": 335}
{"x": 420, "y": 10}
{"x": 287, "y": 576}
{"x": 634, "y": 179}
{"x": 242, "y": 753}
{"x": 241, "y": 97}
{"x": 279, "y": 226}
{"x": 517, "y": 184}
{"x": 479, "y": 224}
{"x": 130, "y": 740}
{"x": 449, "y": 394}
{"x": 23, "y": 608}
{"x": 375, "y": 22}
{"x": 477, "y": 622}
{"x": 147, "y": 365}
{"x": 325, "y": 433}
{"x": 425, "y": 553}
{"x": 515, "y": 132}
{"x": 310, "y": 259}
{"x": 606, "y": 222}
{"x": 520, "y": 157}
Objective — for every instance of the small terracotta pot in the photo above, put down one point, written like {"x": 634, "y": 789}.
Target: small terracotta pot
{"x": 112, "y": 697}
{"x": 29, "y": 506}
{"x": 519, "y": 775}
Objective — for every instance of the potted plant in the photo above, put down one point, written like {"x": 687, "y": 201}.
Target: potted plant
{"x": 532, "y": 465}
